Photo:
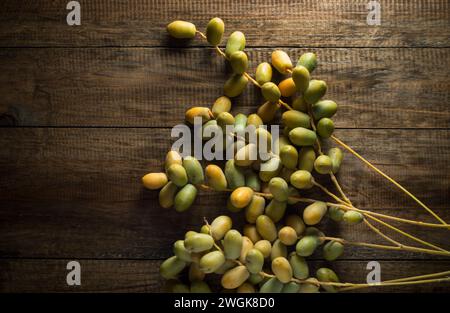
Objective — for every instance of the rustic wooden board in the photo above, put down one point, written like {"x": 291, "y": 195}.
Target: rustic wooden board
{"x": 103, "y": 164}
{"x": 382, "y": 88}
{"x": 86, "y": 111}
{"x": 339, "y": 23}
{"x": 142, "y": 230}
{"x": 37, "y": 275}
{"x": 76, "y": 192}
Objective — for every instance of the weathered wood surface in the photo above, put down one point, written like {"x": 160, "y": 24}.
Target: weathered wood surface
{"x": 37, "y": 275}
{"x": 106, "y": 164}
{"x": 88, "y": 111}
{"x": 381, "y": 88}
{"x": 77, "y": 192}
{"x": 337, "y": 23}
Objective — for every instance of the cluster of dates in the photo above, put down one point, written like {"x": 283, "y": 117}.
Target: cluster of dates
{"x": 269, "y": 255}
{"x": 242, "y": 259}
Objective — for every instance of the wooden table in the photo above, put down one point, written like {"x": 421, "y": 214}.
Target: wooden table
{"x": 87, "y": 110}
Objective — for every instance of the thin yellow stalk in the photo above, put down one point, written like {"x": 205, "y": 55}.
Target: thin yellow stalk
{"x": 329, "y": 193}
{"x": 373, "y": 167}
{"x": 313, "y": 126}
{"x": 208, "y": 188}
{"x": 407, "y": 235}
{"x": 211, "y": 114}
{"x": 384, "y": 247}
{"x": 351, "y": 286}
{"x": 264, "y": 274}
{"x": 221, "y": 52}
{"x": 201, "y": 34}
{"x": 339, "y": 188}
{"x": 413, "y": 278}
{"x": 210, "y": 233}
{"x": 394, "y": 218}
{"x": 285, "y": 104}
{"x": 342, "y": 206}
{"x": 381, "y": 284}
{"x": 379, "y": 232}
{"x": 252, "y": 80}
{"x": 383, "y": 223}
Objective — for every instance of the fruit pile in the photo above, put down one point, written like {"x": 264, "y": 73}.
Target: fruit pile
{"x": 270, "y": 253}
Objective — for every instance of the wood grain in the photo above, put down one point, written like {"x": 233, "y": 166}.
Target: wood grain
{"x": 142, "y": 230}
{"x": 339, "y": 23}
{"x": 59, "y": 164}
{"x": 77, "y": 192}
{"x": 41, "y": 275}
{"x": 86, "y": 111}
{"x": 382, "y": 88}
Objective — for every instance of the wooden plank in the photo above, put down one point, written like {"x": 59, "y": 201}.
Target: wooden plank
{"x": 41, "y": 275}
{"x": 64, "y": 191}
{"x": 382, "y": 88}
{"x": 337, "y": 23}
{"x": 107, "y": 164}
{"x": 30, "y": 275}
{"x": 142, "y": 229}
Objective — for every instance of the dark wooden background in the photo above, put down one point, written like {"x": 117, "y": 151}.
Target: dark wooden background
{"x": 86, "y": 111}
